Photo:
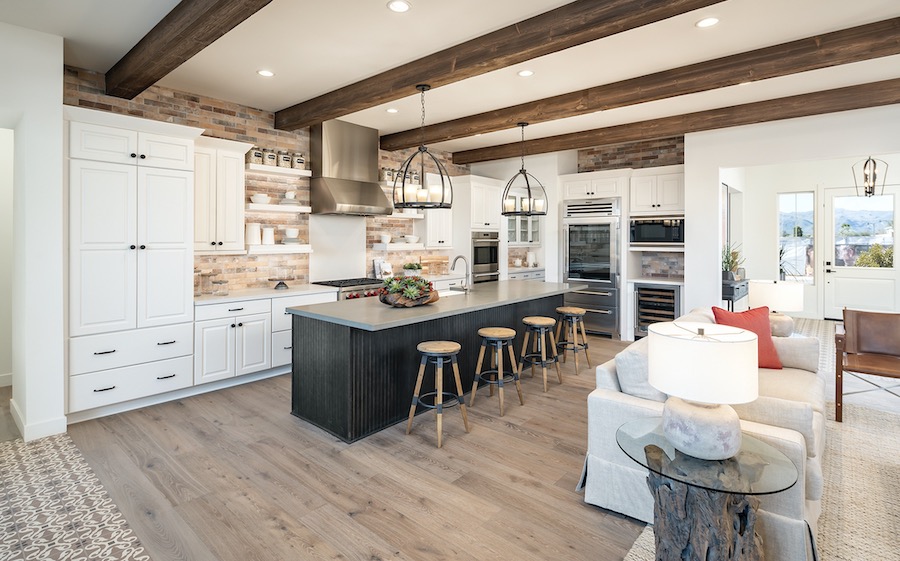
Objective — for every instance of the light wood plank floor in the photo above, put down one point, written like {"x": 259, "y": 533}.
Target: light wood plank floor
{"x": 231, "y": 475}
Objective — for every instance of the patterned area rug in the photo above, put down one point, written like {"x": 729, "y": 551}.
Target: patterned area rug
{"x": 861, "y": 504}
{"x": 53, "y": 507}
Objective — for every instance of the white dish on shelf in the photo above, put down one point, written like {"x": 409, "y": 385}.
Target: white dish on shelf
{"x": 260, "y": 199}
{"x": 291, "y": 233}
{"x": 290, "y": 240}
{"x": 411, "y": 239}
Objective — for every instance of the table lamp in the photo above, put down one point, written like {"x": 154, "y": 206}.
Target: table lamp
{"x": 779, "y": 296}
{"x": 703, "y": 367}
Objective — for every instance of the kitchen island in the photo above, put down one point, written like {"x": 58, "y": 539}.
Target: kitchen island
{"x": 354, "y": 362}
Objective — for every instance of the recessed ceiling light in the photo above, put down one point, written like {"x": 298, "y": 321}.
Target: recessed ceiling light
{"x": 526, "y": 73}
{"x": 266, "y": 73}
{"x": 707, "y": 22}
{"x": 399, "y": 6}
{"x": 392, "y": 110}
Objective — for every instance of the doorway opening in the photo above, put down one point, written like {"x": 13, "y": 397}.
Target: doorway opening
{"x": 8, "y": 429}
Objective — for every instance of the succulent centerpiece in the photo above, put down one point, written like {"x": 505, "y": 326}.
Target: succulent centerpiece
{"x": 406, "y": 292}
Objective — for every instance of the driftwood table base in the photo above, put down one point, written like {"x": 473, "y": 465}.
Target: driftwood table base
{"x": 694, "y": 524}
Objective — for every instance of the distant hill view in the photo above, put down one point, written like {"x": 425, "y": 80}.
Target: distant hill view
{"x": 858, "y": 223}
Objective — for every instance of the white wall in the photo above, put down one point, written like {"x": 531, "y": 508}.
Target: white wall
{"x": 6, "y": 254}
{"x": 849, "y": 134}
{"x": 31, "y": 104}
{"x": 546, "y": 168}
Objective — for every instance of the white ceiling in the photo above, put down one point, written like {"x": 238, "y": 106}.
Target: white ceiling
{"x": 317, "y": 47}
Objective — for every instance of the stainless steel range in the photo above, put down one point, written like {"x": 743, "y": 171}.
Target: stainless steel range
{"x": 348, "y": 289}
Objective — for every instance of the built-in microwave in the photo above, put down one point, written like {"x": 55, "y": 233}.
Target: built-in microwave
{"x": 658, "y": 230}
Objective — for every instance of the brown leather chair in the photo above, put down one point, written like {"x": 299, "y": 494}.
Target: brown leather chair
{"x": 870, "y": 344}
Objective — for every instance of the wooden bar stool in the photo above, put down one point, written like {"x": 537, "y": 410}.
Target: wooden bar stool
{"x": 437, "y": 353}
{"x": 542, "y": 327}
{"x": 573, "y": 319}
{"x": 496, "y": 338}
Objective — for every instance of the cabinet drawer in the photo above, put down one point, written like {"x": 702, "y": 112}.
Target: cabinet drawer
{"x": 123, "y": 384}
{"x": 591, "y": 297}
{"x": 281, "y": 319}
{"x": 445, "y": 284}
{"x": 232, "y": 309}
{"x": 281, "y": 348}
{"x": 124, "y": 348}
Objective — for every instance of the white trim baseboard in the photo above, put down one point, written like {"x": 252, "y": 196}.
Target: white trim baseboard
{"x": 37, "y": 430}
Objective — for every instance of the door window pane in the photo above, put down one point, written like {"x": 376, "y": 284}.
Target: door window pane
{"x": 864, "y": 231}
{"x": 796, "y": 240}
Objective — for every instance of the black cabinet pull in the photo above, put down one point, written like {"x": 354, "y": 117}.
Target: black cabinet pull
{"x": 133, "y": 155}
{"x": 240, "y": 325}
{"x": 105, "y": 389}
{"x": 287, "y": 348}
{"x": 166, "y": 343}
{"x": 133, "y": 247}
{"x": 165, "y": 377}
{"x": 287, "y": 313}
{"x": 143, "y": 247}
{"x": 143, "y": 156}
{"x": 235, "y": 309}
{"x": 105, "y": 352}
{"x": 212, "y": 243}
{"x": 220, "y": 243}
{"x": 232, "y": 325}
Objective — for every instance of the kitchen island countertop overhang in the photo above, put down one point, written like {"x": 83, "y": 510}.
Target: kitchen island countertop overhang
{"x": 354, "y": 362}
{"x": 370, "y": 314}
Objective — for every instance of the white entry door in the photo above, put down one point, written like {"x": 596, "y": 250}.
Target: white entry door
{"x": 860, "y": 233}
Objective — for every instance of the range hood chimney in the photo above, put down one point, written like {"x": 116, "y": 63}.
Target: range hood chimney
{"x": 344, "y": 161}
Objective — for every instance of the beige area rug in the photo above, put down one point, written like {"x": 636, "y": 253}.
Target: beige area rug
{"x": 52, "y": 507}
{"x": 861, "y": 506}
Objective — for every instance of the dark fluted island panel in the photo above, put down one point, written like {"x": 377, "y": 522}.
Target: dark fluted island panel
{"x": 353, "y": 376}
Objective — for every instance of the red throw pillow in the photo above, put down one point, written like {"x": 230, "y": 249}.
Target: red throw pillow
{"x": 757, "y": 321}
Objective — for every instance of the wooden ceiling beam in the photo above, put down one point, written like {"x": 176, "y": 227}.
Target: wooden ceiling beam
{"x": 829, "y": 101}
{"x": 856, "y": 44}
{"x": 580, "y": 22}
{"x": 190, "y": 27}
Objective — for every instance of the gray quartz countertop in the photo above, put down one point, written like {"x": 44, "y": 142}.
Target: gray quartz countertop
{"x": 261, "y": 293}
{"x": 371, "y": 315}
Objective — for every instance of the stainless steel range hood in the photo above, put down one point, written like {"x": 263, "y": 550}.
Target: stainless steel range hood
{"x": 344, "y": 160}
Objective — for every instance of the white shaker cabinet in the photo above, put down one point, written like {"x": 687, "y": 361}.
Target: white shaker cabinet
{"x": 130, "y": 255}
{"x": 485, "y": 206}
{"x": 282, "y": 320}
{"x": 219, "y": 194}
{"x": 439, "y": 228}
{"x": 89, "y": 141}
{"x": 595, "y": 184}
{"x": 232, "y": 340}
{"x": 657, "y": 193}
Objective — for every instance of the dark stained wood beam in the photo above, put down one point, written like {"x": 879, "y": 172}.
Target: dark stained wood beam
{"x": 829, "y": 101}
{"x": 580, "y": 22}
{"x": 840, "y": 47}
{"x": 190, "y": 27}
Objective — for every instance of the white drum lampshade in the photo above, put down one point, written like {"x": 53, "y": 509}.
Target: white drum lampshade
{"x": 779, "y": 296}
{"x": 703, "y": 367}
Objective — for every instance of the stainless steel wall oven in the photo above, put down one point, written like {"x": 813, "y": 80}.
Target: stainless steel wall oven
{"x": 591, "y": 256}
{"x": 485, "y": 256}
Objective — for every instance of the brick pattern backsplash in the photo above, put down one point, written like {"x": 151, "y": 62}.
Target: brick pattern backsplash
{"x": 645, "y": 154}
{"x": 232, "y": 121}
{"x": 663, "y": 264}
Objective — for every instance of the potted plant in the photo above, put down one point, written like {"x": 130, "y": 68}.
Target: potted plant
{"x": 412, "y": 269}
{"x": 731, "y": 261}
{"x": 406, "y": 292}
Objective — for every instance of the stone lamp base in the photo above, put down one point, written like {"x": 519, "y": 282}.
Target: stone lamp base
{"x": 708, "y": 432}
{"x": 782, "y": 325}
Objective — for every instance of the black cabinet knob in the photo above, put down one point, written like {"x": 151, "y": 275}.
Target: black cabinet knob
{"x": 212, "y": 243}
{"x": 232, "y": 325}
{"x": 220, "y": 243}
{"x": 143, "y": 247}
{"x": 133, "y": 247}
{"x": 240, "y": 325}
{"x": 143, "y": 156}
{"x": 133, "y": 155}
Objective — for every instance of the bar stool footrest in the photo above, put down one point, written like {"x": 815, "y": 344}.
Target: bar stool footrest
{"x": 507, "y": 376}
{"x": 535, "y": 359}
{"x": 450, "y": 400}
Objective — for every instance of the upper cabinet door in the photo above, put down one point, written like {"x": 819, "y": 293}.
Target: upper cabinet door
{"x": 105, "y": 144}
{"x": 204, "y": 199}
{"x": 165, "y": 247}
{"x": 485, "y": 207}
{"x": 158, "y": 151}
{"x": 229, "y": 201}
{"x": 670, "y": 192}
{"x": 643, "y": 193}
{"x": 102, "y": 247}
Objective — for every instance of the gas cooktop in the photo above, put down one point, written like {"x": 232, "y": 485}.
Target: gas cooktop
{"x": 344, "y": 283}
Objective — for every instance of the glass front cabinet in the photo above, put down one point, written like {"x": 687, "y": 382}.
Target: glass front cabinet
{"x": 524, "y": 230}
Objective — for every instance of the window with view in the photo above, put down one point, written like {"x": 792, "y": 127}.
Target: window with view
{"x": 864, "y": 231}
{"x": 796, "y": 236}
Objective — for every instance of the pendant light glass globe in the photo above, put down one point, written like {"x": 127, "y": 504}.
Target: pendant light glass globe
{"x": 524, "y": 195}
{"x": 414, "y": 187}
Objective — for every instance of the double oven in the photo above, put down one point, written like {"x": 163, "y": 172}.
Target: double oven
{"x": 485, "y": 256}
{"x": 591, "y": 257}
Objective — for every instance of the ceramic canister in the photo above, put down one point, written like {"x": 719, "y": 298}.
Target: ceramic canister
{"x": 253, "y": 234}
{"x": 268, "y": 236}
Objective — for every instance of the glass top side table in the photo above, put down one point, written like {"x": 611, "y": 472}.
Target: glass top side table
{"x": 687, "y": 489}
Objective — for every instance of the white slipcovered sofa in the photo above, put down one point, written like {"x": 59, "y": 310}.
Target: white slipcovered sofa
{"x": 789, "y": 415}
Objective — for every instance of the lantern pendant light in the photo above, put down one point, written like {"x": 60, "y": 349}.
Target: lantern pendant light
{"x": 868, "y": 171}
{"x": 410, "y": 192}
{"x": 524, "y": 195}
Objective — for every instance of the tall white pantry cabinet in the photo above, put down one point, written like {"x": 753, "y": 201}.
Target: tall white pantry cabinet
{"x": 131, "y": 226}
